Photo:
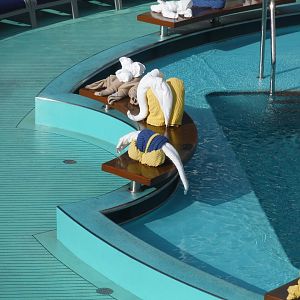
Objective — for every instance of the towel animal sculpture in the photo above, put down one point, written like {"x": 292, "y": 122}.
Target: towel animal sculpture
{"x": 173, "y": 9}
{"x": 161, "y": 101}
{"x": 122, "y": 84}
{"x": 294, "y": 291}
{"x": 150, "y": 148}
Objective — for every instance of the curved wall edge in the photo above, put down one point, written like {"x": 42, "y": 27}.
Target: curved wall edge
{"x": 82, "y": 120}
{"x": 141, "y": 280}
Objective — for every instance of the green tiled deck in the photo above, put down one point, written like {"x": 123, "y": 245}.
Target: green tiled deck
{"x": 33, "y": 177}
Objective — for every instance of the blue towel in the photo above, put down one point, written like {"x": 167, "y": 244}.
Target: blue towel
{"x": 209, "y": 3}
{"x": 156, "y": 143}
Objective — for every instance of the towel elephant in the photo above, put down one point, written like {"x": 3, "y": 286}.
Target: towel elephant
{"x": 150, "y": 148}
{"x": 161, "y": 102}
{"x": 105, "y": 86}
{"x": 125, "y": 89}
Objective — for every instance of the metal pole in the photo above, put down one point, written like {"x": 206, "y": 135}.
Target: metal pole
{"x": 263, "y": 38}
{"x": 120, "y": 4}
{"x": 163, "y": 32}
{"x": 135, "y": 187}
{"x": 273, "y": 47}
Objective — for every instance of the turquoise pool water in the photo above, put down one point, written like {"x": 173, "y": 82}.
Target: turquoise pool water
{"x": 240, "y": 219}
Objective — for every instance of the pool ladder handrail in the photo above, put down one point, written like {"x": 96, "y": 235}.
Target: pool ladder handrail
{"x": 272, "y": 6}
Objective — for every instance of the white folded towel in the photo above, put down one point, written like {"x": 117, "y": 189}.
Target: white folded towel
{"x": 172, "y": 9}
{"x": 129, "y": 69}
{"x": 162, "y": 91}
{"x": 124, "y": 75}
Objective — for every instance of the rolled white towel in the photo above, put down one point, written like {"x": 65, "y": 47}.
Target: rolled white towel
{"x": 137, "y": 69}
{"x": 124, "y": 75}
{"x": 169, "y": 14}
{"x": 157, "y": 7}
{"x": 129, "y": 69}
{"x": 125, "y": 62}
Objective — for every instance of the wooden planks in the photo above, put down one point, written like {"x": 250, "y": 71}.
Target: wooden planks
{"x": 202, "y": 13}
{"x": 183, "y": 138}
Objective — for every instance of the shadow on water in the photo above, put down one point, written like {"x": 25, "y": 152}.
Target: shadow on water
{"x": 285, "y": 72}
{"x": 162, "y": 244}
{"x": 252, "y": 38}
{"x": 266, "y": 141}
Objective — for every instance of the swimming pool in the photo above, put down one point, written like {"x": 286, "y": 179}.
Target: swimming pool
{"x": 85, "y": 227}
{"x": 240, "y": 219}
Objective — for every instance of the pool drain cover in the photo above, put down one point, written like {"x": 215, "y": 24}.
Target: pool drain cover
{"x": 69, "y": 161}
{"x": 104, "y": 291}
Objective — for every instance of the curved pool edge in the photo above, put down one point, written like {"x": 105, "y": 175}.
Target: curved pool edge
{"x": 142, "y": 269}
{"x": 111, "y": 243}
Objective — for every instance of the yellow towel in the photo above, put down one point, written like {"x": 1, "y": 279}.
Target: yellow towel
{"x": 153, "y": 158}
{"x": 156, "y": 116}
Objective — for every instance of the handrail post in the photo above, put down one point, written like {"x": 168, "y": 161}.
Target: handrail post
{"x": 135, "y": 187}
{"x": 273, "y": 47}
{"x": 263, "y": 38}
{"x": 163, "y": 32}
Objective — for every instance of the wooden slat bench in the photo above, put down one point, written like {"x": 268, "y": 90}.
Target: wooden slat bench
{"x": 202, "y": 13}
{"x": 183, "y": 138}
